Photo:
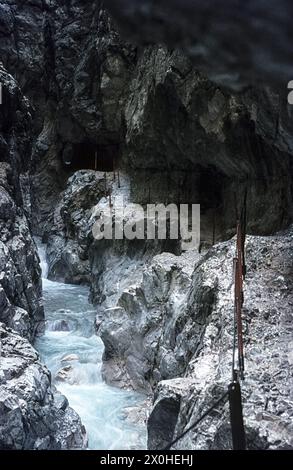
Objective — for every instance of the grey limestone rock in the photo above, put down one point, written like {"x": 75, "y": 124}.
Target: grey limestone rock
{"x": 32, "y": 417}
{"x": 29, "y": 417}
{"x": 267, "y": 397}
{"x": 172, "y": 330}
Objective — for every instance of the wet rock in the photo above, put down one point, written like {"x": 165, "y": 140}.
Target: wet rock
{"x": 31, "y": 416}
{"x": 150, "y": 312}
{"x": 64, "y": 374}
{"x": 20, "y": 284}
{"x": 138, "y": 414}
{"x": 70, "y": 357}
{"x": 59, "y": 325}
{"x": 179, "y": 318}
{"x": 71, "y": 236}
{"x": 60, "y": 401}
{"x": 73, "y": 374}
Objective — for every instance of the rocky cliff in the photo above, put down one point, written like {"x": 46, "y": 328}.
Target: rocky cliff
{"x": 180, "y": 320}
{"x": 33, "y": 415}
{"x": 148, "y": 109}
{"x": 160, "y": 125}
{"x": 20, "y": 273}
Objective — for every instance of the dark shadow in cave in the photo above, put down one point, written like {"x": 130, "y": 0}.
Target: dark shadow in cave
{"x": 90, "y": 156}
{"x": 210, "y": 188}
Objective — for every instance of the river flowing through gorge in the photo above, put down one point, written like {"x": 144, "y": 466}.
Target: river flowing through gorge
{"x": 73, "y": 353}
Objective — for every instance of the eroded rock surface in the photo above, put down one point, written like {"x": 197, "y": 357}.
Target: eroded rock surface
{"x": 148, "y": 312}
{"x": 178, "y": 322}
{"x": 91, "y": 89}
{"x": 71, "y": 235}
{"x": 32, "y": 416}
{"x": 20, "y": 284}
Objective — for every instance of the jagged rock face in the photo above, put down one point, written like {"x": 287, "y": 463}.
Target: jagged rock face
{"x": 73, "y": 253}
{"x": 236, "y": 43}
{"x": 91, "y": 87}
{"x": 20, "y": 285}
{"x": 73, "y": 66}
{"x": 20, "y": 288}
{"x": 32, "y": 417}
{"x": 71, "y": 236}
{"x": 150, "y": 312}
{"x": 16, "y": 139}
{"x": 68, "y": 58}
{"x": 174, "y": 119}
{"x": 180, "y": 320}
{"x": 177, "y": 120}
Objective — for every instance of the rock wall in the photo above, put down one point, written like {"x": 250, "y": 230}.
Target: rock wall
{"x": 71, "y": 236}
{"x": 92, "y": 89}
{"x": 179, "y": 317}
{"x": 147, "y": 311}
{"x": 33, "y": 415}
{"x": 176, "y": 119}
{"x": 73, "y": 66}
{"x": 267, "y": 331}
{"x": 20, "y": 283}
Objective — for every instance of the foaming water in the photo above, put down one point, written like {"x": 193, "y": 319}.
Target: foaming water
{"x": 73, "y": 353}
{"x": 42, "y": 254}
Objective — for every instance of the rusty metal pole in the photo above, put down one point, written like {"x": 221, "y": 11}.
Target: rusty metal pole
{"x": 235, "y": 399}
{"x": 239, "y": 298}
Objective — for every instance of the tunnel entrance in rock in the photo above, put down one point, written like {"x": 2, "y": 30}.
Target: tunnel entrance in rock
{"x": 90, "y": 156}
{"x": 210, "y": 185}
{"x": 211, "y": 188}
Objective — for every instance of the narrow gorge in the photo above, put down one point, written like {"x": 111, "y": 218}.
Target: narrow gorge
{"x": 120, "y": 343}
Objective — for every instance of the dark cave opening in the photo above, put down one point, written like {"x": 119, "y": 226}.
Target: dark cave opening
{"x": 210, "y": 188}
{"x": 90, "y": 156}
{"x": 211, "y": 184}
